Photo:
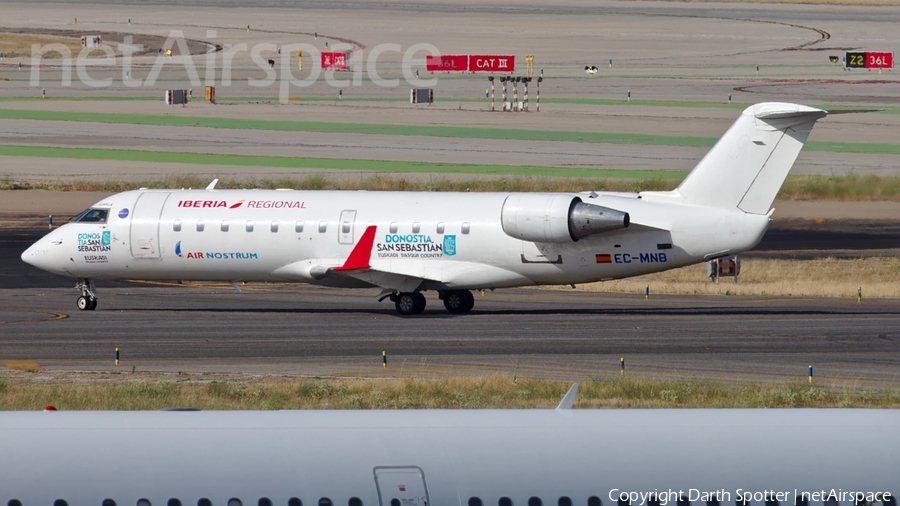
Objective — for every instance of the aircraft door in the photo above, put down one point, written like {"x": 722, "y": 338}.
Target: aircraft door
{"x": 401, "y": 486}
{"x": 145, "y": 224}
{"x": 346, "y": 227}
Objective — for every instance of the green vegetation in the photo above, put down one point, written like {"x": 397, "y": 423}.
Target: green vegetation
{"x": 32, "y": 391}
{"x": 839, "y": 188}
{"x": 323, "y": 163}
{"x": 419, "y": 130}
{"x": 373, "y": 183}
{"x": 222, "y": 99}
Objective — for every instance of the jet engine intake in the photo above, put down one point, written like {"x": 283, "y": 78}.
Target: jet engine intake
{"x": 557, "y": 218}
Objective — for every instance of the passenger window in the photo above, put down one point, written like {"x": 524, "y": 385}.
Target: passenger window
{"x": 716, "y": 502}
{"x": 565, "y": 501}
{"x": 683, "y": 501}
{"x": 830, "y": 502}
{"x": 440, "y": 228}
{"x": 14, "y": 502}
{"x": 234, "y": 501}
{"x": 770, "y": 501}
{"x": 416, "y": 227}
{"x": 395, "y": 502}
{"x": 592, "y": 501}
{"x": 623, "y": 502}
{"x": 250, "y": 225}
{"x": 199, "y": 225}
{"x": 264, "y": 501}
{"x": 465, "y": 227}
{"x": 274, "y": 227}
{"x": 324, "y": 501}
{"x": 355, "y": 501}
{"x": 204, "y": 502}
{"x": 295, "y": 501}
{"x": 60, "y": 502}
{"x": 108, "y": 502}
{"x": 890, "y": 501}
{"x": 345, "y": 227}
{"x": 298, "y": 227}
{"x": 143, "y": 502}
{"x": 535, "y": 501}
{"x": 173, "y": 502}
{"x": 653, "y": 500}
{"x": 91, "y": 216}
{"x": 323, "y": 226}
{"x": 741, "y": 502}
{"x": 394, "y": 227}
{"x": 505, "y": 501}
{"x": 475, "y": 501}
{"x": 176, "y": 225}
{"x": 224, "y": 226}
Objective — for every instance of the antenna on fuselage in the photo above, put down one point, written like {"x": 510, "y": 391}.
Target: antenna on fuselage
{"x": 212, "y": 186}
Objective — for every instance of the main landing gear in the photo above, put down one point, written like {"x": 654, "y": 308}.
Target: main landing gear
{"x": 410, "y": 303}
{"x": 88, "y": 299}
{"x": 458, "y": 301}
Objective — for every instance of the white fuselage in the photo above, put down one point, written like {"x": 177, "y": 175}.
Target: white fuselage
{"x": 450, "y": 458}
{"x": 448, "y": 240}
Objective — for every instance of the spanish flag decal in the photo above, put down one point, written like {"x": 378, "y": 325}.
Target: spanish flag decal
{"x": 604, "y": 259}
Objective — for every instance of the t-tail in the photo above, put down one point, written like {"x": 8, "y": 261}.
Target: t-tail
{"x": 747, "y": 167}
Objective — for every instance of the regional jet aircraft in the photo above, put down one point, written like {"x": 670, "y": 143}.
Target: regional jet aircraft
{"x": 406, "y": 243}
{"x": 562, "y": 457}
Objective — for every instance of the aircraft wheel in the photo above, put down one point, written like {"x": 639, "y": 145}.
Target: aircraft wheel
{"x": 406, "y": 303}
{"x": 459, "y": 301}
{"x": 420, "y": 302}
{"x": 469, "y": 300}
{"x": 92, "y": 304}
{"x": 83, "y": 303}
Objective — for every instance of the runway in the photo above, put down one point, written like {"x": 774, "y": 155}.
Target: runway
{"x": 305, "y": 330}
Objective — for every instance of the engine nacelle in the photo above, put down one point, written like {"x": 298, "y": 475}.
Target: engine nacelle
{"x": 556, "y": 218}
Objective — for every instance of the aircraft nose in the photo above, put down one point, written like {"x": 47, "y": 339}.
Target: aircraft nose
{"x": 37, "y": 254}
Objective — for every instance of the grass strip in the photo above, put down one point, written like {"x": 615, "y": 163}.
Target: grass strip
{"x": 375, "y": 128}
{"x": 142, "y": 391}
{"x": 419, "y": 130}
{"x": 323, "y": 163}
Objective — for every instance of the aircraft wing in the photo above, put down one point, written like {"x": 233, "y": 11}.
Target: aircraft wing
{"x": 402, "y": 275}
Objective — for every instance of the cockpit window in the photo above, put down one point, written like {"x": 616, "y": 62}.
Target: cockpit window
{"x": 92, "y": 216}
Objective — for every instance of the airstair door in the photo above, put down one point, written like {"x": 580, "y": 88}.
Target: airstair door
{"x": 145, "y": 224}
{"x": 401, "y": 486}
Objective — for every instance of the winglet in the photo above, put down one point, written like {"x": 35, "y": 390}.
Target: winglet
{"x": 362, "y": 252}
{"x": 569, "y": 400}
{"x": 212, "y": 186}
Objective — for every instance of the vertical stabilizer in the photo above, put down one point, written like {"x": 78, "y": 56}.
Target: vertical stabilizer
{"x": 747, "y": 167}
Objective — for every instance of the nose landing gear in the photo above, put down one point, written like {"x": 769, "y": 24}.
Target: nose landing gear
{"x": 88, "y": 299}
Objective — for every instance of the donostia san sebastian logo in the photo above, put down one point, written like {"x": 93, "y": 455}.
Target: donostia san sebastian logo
{"x": 95, "y": 241}
{"x": 415, "y": 246}
{"x": 449, "y": 245}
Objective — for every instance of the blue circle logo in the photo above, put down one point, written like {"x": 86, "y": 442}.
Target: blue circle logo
{"x": 123, "y": 213}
